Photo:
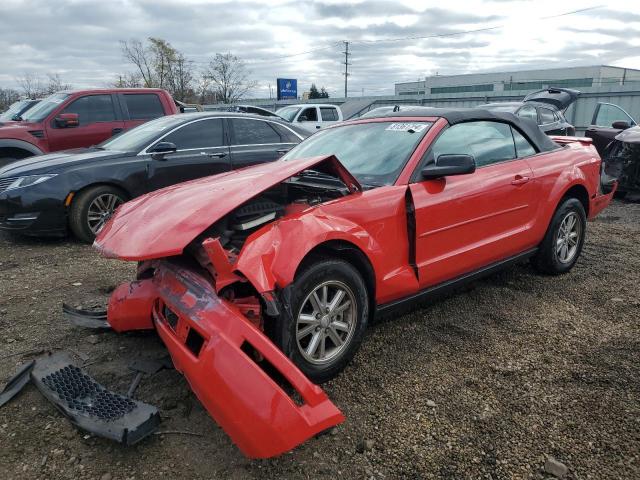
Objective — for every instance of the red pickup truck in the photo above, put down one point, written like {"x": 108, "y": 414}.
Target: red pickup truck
{"x": 80, "y": 118}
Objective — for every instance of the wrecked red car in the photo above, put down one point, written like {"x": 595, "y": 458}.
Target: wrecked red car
{"x": 261, "y": 281}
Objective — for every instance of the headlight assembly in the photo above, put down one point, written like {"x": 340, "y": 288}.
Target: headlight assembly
{"x": 28, "y": 181}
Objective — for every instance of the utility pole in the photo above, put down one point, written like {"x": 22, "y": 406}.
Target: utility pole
{"x": 346, "y": 65}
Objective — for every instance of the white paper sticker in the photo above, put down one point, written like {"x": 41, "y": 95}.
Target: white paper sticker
{"x": 407, "y": 127}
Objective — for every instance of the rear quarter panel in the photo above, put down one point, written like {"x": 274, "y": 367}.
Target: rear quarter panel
{"x": 556, "y": 172}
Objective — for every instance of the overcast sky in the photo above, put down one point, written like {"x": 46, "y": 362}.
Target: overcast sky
{"x": 79, "y": 39}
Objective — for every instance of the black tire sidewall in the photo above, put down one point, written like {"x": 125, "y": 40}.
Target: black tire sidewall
{"x": 310, "y": 278}
{"x": 547, "y": 257}
{"x": 80, "y": 208}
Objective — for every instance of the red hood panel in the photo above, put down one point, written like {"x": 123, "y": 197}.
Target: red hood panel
{"x": 162, "y": 223}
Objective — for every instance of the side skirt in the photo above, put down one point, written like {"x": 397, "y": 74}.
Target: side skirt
{"x": 437, "y": 291}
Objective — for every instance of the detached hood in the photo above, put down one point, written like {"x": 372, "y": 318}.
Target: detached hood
{"x": 560, "y": 98}
{"x": 162, "y": 223}
{"x": 52, "y": 162}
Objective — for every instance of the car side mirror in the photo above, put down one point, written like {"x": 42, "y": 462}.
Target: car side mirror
{"x": 160, "y": 149}
{"x": 67, "y": 120}
{"x": 449, "y": 164}
{"x": 620, "y": 125}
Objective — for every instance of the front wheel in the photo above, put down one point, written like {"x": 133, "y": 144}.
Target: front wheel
{"x": 329, "y": 305}
{"x": 562, "y": 244}
{"x": 92, "y": 208}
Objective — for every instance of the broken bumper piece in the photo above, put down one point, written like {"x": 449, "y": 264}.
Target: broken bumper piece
{"x": 230, "y": 364}
{"x": 89, "y": 405}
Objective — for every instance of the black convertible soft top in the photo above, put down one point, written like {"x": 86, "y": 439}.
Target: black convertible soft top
{"x": 460, "y": 115}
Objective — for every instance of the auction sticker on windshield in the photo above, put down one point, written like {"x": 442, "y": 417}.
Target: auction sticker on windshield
{"x": 407, "y": 127}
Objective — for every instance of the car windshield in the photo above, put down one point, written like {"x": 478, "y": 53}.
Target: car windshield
{"x": 13, "y": 109}
{"x": 141, "y": 136}
{"x": 39, "y": 112}
{"x": 288, "y": 113}
{"x": 375, "y": 153}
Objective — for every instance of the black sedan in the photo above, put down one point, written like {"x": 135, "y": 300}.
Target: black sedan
{"x": 80, "y": 189}
{"x": 545, "y": 107}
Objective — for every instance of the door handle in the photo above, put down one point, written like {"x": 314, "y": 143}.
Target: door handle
{"x": 520, "y": 180}
{"x": 115, "y": 131}
{"x": 317, "y": 126}
{"x": 214, "y": 155}
{"x": 282, "y": 151}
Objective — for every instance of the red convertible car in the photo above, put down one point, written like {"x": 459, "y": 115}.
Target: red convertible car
{"x": 261, "y": 281}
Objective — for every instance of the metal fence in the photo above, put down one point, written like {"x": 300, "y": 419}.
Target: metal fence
{"x": 579, "y": 114}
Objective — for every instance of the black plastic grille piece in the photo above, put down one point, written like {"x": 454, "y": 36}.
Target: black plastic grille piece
{"x": 90, "y": 406}
{"x": 86, "y": 396}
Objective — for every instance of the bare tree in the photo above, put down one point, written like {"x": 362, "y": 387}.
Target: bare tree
{"x": 160, "y": 65}
{"x": 229, "y": 77}
{"x": 135, "y": 52}
{"x": 127, "y": 80}
{"x": 55, "y": 84}
{"x": 35, "y": 86}
{"x": 31, "y": 85}
{"x": 7, "y": 97}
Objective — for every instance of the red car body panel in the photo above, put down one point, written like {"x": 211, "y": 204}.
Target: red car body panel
{"x": 138, "y": 231}
{"x": 45, "y": 137}
{"x": 262, "y": 417}
{"x": 411, "y": 236}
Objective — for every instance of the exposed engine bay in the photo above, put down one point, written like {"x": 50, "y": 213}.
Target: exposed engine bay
{"x": 294, "y": 195}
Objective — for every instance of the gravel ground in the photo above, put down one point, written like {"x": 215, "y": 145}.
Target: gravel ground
{"x": 486, "y": 383}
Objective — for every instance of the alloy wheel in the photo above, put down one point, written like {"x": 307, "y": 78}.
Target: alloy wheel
{"x": 568, "y": 237}
{"x": 326, "y": 322}
{"x": 101, "y": 209}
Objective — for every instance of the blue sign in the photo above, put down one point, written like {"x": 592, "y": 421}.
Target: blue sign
{"x": 287, "y": 88}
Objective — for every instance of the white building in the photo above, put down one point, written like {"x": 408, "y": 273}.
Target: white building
{"x": 525, "y": 80}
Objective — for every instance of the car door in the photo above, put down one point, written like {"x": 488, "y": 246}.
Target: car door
{"x": 99, "y": 119}
{"x": 140, "y": 107}
{"x": 308, "y": 119}
{"x": 329, "y": 115}
{"x": 465, "y": 222}
{"x": 254, "y": 141}
{"x": 202, "y": 150}
{"x": 601, "y": 130}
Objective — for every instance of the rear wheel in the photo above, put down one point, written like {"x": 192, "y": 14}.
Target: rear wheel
{"x": 92, "y": 208}
{"x": 330, "y": 310}
{"x": 562, "y": 244}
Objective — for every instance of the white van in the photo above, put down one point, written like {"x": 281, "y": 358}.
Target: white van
{"x": 310, "y": 116}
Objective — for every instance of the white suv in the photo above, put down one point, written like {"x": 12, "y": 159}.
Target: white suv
{"x": 311, "y": 117}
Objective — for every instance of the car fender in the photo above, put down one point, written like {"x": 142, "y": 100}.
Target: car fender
{"x": 568, "y": 179}
{"x": 272, "y": 255}
{"x": 21, "y": 144}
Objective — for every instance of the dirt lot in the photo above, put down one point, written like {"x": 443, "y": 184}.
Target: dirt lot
{"x": 483, "y": 384}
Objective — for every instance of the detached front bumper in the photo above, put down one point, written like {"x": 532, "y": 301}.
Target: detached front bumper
{"x": 216, "y": 348}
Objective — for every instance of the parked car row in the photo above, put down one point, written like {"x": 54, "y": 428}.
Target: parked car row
{"x": 80, "y": 189}
{"x": 81, "y": 118}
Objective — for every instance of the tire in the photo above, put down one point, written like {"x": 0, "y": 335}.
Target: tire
{"x": 560, "y": 249}
{"x": 91, "y": 201}
{"x": 347, "y": 325}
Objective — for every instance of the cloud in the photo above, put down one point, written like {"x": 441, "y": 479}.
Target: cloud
{"x": 79, "y": 39}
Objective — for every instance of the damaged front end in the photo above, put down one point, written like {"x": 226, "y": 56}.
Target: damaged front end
{"x": 621, "y": 160}
{"x": 212, "y": 319}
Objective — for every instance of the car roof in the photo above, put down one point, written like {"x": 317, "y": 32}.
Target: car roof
{"x": 185, "y": 117}
{"x": 460, "y": 115}
{"x": 311, "y": 105}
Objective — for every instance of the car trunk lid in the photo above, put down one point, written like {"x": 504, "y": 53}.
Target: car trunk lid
{"x": 560, "y": 98}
